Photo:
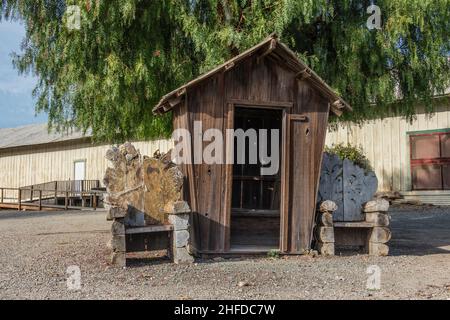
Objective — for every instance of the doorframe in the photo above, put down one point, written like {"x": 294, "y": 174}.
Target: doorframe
{"x": 285, "y": 107}
{"x": 76, "y": 161}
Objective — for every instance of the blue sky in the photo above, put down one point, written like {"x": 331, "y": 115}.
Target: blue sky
{"x": 16, "y": 101}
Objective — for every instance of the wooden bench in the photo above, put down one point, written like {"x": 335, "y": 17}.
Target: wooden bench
{"x": 149, "y": 238}
{"x": 173, "y": 237}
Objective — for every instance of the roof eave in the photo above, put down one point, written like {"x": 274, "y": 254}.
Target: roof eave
{"x": 338, "y": 105}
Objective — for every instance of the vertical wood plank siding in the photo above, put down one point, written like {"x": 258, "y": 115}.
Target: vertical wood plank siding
{"x": 307, "y": 140}
{"x": 209, "y": 102}
{"x": 385, "y": 143}
{"x": 43, "y": 163}
{"x": 206, "y": 105}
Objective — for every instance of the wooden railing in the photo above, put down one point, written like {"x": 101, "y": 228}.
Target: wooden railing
{"x": 35, "y": 195}
{"x": 14, "y": 196}
{"x": 66, "y": 185}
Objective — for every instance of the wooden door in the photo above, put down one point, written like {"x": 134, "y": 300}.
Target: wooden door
{"x": 306, "y": 126}
{"x": 79, "y": 168}
{"x": 299, "y": 185}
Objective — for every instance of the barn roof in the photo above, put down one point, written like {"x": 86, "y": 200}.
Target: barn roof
{"x": 270, "y": 47}
{"x": 34, "y": 135}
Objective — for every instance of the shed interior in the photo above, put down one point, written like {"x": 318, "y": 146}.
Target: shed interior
{"x": 255, "y": 210}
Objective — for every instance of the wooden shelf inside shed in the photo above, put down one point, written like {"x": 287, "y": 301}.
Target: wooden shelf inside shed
{"x": 237, "y": 212}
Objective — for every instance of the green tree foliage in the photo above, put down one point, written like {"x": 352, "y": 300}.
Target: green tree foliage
{"x": 109, "y": 74}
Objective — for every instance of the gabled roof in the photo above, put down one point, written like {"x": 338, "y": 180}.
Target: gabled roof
{"x": 270, "y": 47}
{"x": 35, "y": 134}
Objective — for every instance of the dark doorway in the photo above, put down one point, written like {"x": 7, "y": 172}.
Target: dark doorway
{"x": 255, "y": 209}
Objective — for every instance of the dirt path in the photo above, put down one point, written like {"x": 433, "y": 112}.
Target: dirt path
{"x": 37, "y": 248}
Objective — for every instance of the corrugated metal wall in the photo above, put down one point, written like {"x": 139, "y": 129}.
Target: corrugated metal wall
{"x": 386, "y": 144}
{"x": 38, "y": 164}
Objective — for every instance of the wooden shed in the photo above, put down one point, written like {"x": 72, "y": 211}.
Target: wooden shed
{"x": 236, "y": 210}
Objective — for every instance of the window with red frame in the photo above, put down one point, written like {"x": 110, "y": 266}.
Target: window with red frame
{"x": 430, "y": 161}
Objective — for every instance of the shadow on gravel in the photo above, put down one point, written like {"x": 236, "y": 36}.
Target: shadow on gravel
{"x": 136, "y": 262}
{"x": 14, "y": 214}
{"x": 420, "y": 232}
{"x": 146, "y": 258}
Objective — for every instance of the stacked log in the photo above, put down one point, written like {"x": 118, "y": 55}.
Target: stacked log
{"x": 324, "y": 231}
{"x": 118, "y": 243}
{"x": 179, "y": 214}
{"x": 380, "y": 234}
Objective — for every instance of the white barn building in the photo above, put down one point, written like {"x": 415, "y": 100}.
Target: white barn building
{"x": 29, "y": 155}
{"x": 411, "y": 158}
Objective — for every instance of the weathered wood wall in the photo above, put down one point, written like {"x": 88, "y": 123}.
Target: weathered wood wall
{"x": 211, "y": 102}
{"x": 305, "y": 147}
{"x": 205, "y": 104}
{"x": 37, "y": 164}
{"x": 386, "y": 144}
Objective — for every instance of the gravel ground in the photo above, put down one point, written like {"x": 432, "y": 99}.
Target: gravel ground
{"x": 36, "y": 249}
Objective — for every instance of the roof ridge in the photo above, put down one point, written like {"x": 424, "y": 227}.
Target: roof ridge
{"x": 173, "y": 98}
